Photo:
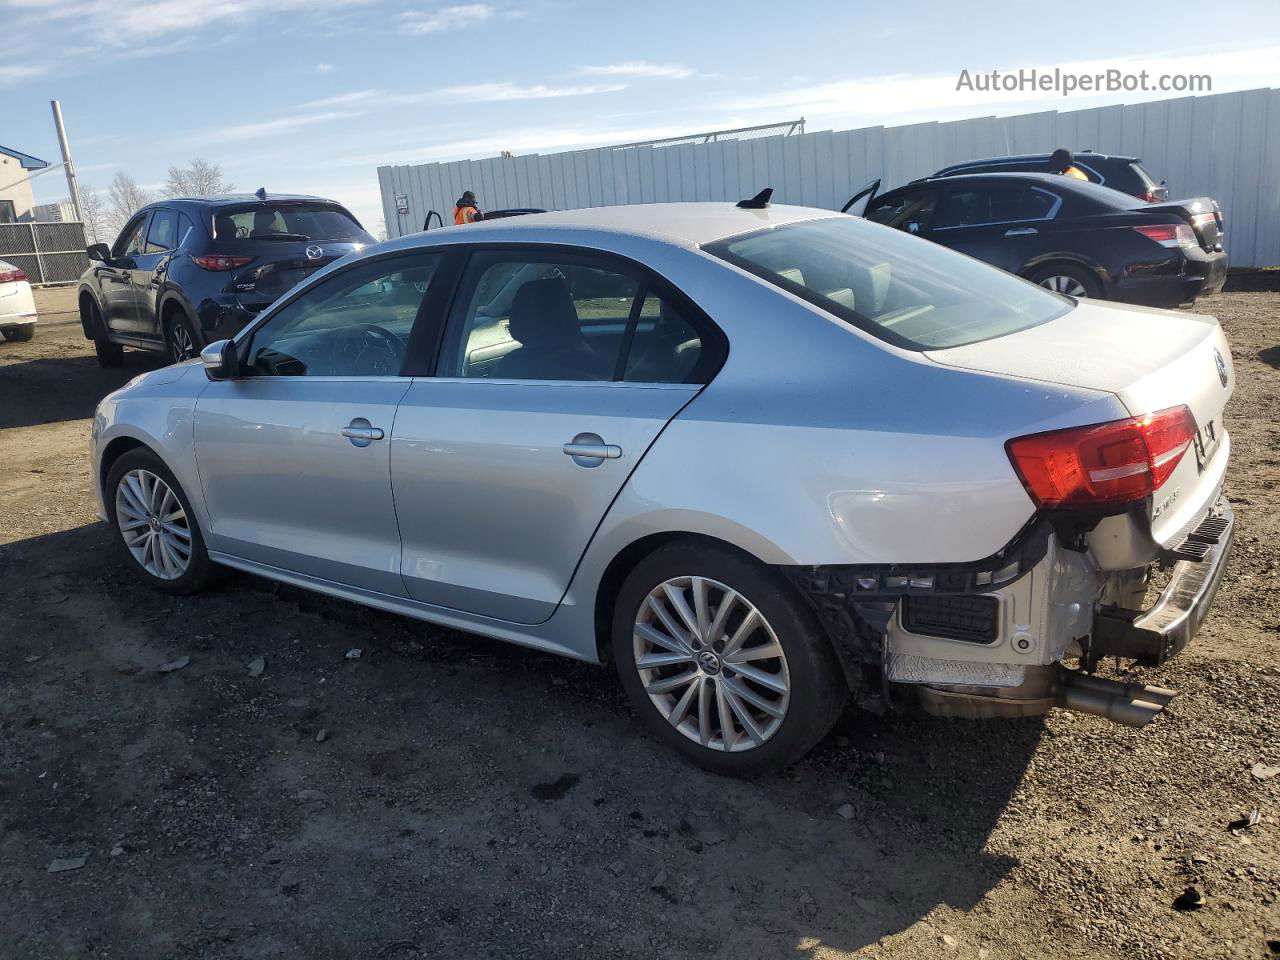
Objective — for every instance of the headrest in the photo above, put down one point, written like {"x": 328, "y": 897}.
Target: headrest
{"x": 543, "y": 312}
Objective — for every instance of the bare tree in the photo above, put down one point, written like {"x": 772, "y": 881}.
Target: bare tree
{"x": 124, "y": 199}
{"x": 201, "y": 179}
{"x": 94, "y": 213}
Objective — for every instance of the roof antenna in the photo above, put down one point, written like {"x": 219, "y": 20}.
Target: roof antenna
{"x": 759, "y": 202}
{"x": 261, "y": 193}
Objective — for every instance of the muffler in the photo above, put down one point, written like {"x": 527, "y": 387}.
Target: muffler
{"x": 1131, "y": 704}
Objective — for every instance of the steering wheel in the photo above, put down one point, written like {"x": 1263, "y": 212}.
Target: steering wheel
{"x": 369, "y": 350}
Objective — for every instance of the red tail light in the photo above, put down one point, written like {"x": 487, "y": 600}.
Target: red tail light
{"x": 12, "y": 276}
{"x": 218, "y": 262}
{"x": 1109, "y": 463}
{"x": 1170, "y": 234}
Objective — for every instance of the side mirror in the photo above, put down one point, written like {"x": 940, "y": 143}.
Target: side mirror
{"x": 219, "y": 360}
{"x": 98, "y": 251}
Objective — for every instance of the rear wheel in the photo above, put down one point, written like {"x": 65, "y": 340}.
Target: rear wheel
{"x": 1068, "y": 279}
{"x": 21, "y": 333}
{"x": 181, "y": 337}
{"x": 154, "y": 525}
{"x": 723, "y": 662}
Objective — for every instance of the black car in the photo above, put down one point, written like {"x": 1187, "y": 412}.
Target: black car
{"x": 185, "y": 272}
{"x": 1073, "y": 237}
{"x": 1126, "y": 174}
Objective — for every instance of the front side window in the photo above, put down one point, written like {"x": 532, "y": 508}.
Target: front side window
{"x": 976, "y": 206}
{"x": 285, "y": 221}
{"x": 163, "y": 232}
{"x": 911, "y": 211}
{"x": 902, "y": 289}
{"x": 576, "y": 318}
{"x": 129, "y": 243}
{"x": 354, "y": 324}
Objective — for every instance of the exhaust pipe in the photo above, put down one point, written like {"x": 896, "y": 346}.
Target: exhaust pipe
{"x": 1131, "y": 704}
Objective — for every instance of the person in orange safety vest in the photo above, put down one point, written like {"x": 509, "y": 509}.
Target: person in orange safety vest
{"x": 1062, "y": 162}
{"x": 466, "y": 210}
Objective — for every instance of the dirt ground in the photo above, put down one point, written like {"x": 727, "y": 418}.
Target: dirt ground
{"x": 446, "y": 796}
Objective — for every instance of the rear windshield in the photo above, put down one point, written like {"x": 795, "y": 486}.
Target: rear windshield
{"x": 902, "y": 289}
{"x": 285, "y": 221}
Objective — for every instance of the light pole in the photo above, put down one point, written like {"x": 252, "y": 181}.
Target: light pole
{"x": 66, "y": 160}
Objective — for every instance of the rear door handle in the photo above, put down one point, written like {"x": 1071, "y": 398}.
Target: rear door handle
{"x": 1021, "y": 232}
{"x": 361, "y": 433}
{"x": 589, "y": 450}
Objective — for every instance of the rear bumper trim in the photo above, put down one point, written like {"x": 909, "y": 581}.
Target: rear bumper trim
{"x": 1153, "y": 636}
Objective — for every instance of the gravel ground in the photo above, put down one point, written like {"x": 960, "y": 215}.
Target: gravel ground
{"x": 446, "y": 796}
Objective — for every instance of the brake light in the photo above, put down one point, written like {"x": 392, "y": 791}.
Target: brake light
{"x": 1170, "y": 234}
{"x": 1108, "y": 463}
{"x": 218, "y": 262}
{"x": 12, "y": 276}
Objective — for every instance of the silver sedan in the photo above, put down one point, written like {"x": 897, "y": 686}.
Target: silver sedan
{"x": 762, "y": 458}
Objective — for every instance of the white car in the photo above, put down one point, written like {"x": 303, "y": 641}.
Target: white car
{"x": 17, "y": 305}
{"x": 762, "y": 458}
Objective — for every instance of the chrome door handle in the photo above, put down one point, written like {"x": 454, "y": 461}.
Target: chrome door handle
{"x": 589, "y": 450}
{"x": 1021, "y": 232}
{"x": 361, "y": 433}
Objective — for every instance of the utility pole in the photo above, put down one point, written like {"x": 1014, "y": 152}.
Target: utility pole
{"x": 66, "y": 159}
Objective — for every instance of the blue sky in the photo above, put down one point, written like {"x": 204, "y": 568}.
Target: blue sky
{"x": 312, "y": 95}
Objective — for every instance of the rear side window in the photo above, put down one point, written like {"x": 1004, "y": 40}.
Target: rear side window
{"x": 978, "y": 205}
{"x": 286, "y": 221}
{"x": 568, "y": 318}
{"x": 904, "y": 290}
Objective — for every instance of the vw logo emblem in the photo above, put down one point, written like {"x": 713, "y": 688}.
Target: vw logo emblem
{"x": 709, "y": 661}
{"x": 1222, "y": 366}
{"x": 315, "y": 252}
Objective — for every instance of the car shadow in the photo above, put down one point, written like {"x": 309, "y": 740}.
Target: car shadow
{"x": 53, "y": 389}
{"x": 379, "y": 781}
{"x": 1270, "y": 356}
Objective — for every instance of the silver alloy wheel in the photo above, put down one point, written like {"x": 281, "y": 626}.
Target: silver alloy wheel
{"x": 180, "y": 343}
{"x": 153, "y": 524}
{"x": 1068, "y": 285}
{"x": 711, "y": 664}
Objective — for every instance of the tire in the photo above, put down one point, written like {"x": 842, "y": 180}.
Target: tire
{"x": 168, "y": 573}
{"x": 21, "y": 333}
{"x": 180, "y": 336}
{"x": 1068, "y": 279}
{"x": 109, "y": 354}
{"x": 805, "y": 684}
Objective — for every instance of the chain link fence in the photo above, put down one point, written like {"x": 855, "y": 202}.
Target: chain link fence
{"x": 50, "y": 252}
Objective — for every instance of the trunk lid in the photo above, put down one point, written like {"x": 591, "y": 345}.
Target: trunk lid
{"x": 1151, "y": 360}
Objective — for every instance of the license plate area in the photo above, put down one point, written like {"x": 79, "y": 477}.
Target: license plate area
{"x": 1206, "y": 442}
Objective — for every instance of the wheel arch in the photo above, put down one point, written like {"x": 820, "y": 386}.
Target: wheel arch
{"x": 171, "y": 304}
{"x": 1080, "y": 261}
{"x": 630, "y": 556}
{"x": 87, "y": 301}
{"x": 113, "y": 451}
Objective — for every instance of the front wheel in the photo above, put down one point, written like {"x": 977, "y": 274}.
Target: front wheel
{"x": 155, "y": 526}
{"x": 723, "y": 662}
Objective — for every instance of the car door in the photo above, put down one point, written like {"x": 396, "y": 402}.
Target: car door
{"x": 148, "y": 270}
{"x": 909, "y": 209}
{"x": 115, "y": 277}
{"x": 293, "y": 451}
{"x": 557, "y": 371}
{"x": 1001, "y": 224}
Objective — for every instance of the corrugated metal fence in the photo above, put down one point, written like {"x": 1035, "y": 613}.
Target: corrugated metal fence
{"x": 1226, "y": 146}
{"x": 52, "y": 252}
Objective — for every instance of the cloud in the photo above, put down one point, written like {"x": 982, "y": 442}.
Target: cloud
{"x": 267, "y": 128}
{"x": 639, "y": 68}
{"x": 463, "y": 93}
{"x": 323, "y": 67}
{"x": 446, "y": 18}
{"x": 13, "y": 72}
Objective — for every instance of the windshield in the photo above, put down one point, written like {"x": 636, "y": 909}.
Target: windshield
{"x": 286, "y": 221}
{"x": 902, "y": 289}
